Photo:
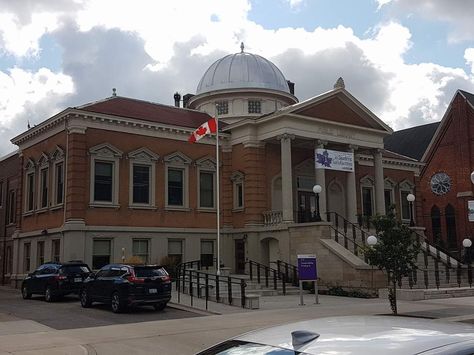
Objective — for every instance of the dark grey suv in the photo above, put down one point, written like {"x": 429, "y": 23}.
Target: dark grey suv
{"x": 54, "y": 280}
{"x": 124, "y": 285}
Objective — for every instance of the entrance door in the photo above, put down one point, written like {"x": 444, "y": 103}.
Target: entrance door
{"x": 240, "y": 256}
{"x": 306, "y": 206}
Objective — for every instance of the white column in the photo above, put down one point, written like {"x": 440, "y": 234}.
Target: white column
{"x": 351, "y": 194}
{"x": 321, "y": 180}
{"x": 286, "y": 178}
{"x": 379, "y": 183}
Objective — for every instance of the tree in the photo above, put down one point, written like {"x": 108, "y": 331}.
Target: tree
{"x": 395, "y": 252}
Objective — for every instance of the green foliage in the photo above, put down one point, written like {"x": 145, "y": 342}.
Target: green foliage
{"x": 339, "y": 291}
{"x": 396, "y": 250}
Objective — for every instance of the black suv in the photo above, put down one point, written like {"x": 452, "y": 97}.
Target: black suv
{"x": 54, "y": 280}
{"x": 127, "y": 285}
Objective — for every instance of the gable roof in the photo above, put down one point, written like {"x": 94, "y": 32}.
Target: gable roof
{"x": 411, "y": 142}
{"x": 147, "y": 111}
{"x": 469, "y": 97}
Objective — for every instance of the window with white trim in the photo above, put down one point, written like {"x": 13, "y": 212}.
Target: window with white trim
{"x": 142, "y": 177}
{"x": 101, "y": 253}
{"x": 26, "y": 257}
{"x": 40, "y": 253}
{"x": 44, "y": 184}
{"x": 176, "y": 187}
{"x": 238, "y": 190}
{"x": 367, "y": 191}
{"x": 104, "y": 189}
{"x": 206, "y": 182}
{"x": 222, "y": 107}
{"x": 254, "y": 106}
{"x": 56, "y": 250}
{"x": 207, "y": 253}
{"x": 389, "y": 186}
{"x": 175, "y": 250}
{"x": 140, "y": 248}
{"x": 30, "y": 191}
{"x": 58, "y": 175}
{"x": 405, "y": 188}
{"x": 11, "y": 203}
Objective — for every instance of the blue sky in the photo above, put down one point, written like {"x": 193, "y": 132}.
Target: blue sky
{"x": 403, "y": 59}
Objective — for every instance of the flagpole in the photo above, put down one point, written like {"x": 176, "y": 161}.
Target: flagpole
{"x": 218, "y": 199}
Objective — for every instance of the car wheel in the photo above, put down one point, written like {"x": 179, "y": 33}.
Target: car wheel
{"x": 25, "y": 293}
{"x": 48, "y": 294}
{"x": 159, "y": 306}
{"x": 86, "y": 302}
{"x": 117, "y": 305}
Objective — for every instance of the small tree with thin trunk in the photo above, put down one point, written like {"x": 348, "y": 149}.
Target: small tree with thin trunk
{"x": 395, "y": 252}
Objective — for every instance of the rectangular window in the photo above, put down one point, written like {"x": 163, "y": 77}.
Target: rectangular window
{"x": 44, "y": 188}
{"x": 175, "y": 187}
{"x": 103, "y": 181}
{"x": 26, "y": 257}
{"x": 405, "y": 205}
{"x": 222, "y": 107}
{"x": 388, "y": 199}
{"x": 9, "y": 260}
{"x": 206, "y": 189}
{"x": 239, "y": 195}
{"x": 40, "y": 253}
{"x": 59, "y": 179}
{"x": 255, "y": 106}
{"x": 175, "y": 250}
{"x": 367, "y": 205}
{"x": 11, "y": 204}
{"x": 56, "y": 250}
{"x": 141, "y": 184}
{"x": 207, "y": 253}
{"x": 30, "y": 187}
{"x": 101, "y": 253}
{"x": 140, "y": 249}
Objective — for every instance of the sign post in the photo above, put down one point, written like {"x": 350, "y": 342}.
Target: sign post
{"x": 307, "y": 271}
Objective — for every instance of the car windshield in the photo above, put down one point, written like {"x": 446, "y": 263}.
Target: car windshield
{"x": 150, "y": 271}
{"x": 235, "y": 347}
{"x": 74, "y": 269}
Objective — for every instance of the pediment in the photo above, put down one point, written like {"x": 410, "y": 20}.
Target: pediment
{"x": 105, "y": 150}
{"x": 30, "y": 164}
{"x": 43, "y": 160}
{"x": 177, "y": 158}
{"x": 207, "y": 162}
{"x": 58, "y": 153}
{"x": 237, "y": 176}
{"x": 336, "y": 110}
{"x": 143, "y": 154}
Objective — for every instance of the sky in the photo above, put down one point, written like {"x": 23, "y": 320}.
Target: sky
{"x": 403, "y": 59}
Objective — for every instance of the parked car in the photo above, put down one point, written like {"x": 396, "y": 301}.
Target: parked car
{"x": 354, "y": 335}
{"x": 54, "y": 280}
{"x": 124, "y": 285}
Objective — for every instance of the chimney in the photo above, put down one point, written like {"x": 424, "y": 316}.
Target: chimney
{"x": 186, "y": 99}
{"x": 291, "y": 85}
{"x": 177, "y": 99}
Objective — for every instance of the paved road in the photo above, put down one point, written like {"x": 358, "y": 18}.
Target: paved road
{"x": 68, "y": 313}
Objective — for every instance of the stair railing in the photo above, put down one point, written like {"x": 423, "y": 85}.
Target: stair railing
{"x": 290, "y": 271}
{"x": 261, "y": 272}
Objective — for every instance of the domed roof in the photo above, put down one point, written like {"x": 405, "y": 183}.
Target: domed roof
{"x": 242, "y": 70}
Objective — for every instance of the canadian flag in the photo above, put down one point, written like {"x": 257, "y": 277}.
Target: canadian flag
{"x": 206, "y": 128}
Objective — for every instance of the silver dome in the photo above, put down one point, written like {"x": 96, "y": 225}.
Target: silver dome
{"x": 242, "y": 70}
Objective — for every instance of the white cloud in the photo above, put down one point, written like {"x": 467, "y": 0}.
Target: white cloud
{"x": 469, "y": 57}
{"x": 294, "y": 4}
{"x": 149, "y": 49}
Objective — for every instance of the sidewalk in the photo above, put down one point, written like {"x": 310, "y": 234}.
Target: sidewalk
{"x": 187, "y": 336}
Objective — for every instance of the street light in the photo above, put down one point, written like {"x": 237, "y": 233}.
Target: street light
{"x": 467, "y": 243}
{"x": 371, "y": 241}
{"x": 410, "y": 199}
{"x": 317, "y": 190}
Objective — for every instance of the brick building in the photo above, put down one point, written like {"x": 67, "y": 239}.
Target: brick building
{"x": 117, "y": 178}
{"x": 9, "y": 186}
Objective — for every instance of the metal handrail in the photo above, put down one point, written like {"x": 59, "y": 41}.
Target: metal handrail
{"x": 267, "y": 270}
{"x": 290, "y": 271}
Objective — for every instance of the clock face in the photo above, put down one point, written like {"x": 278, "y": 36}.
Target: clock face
{"x": 440, "y": 183}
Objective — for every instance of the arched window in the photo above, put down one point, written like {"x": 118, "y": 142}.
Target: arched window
{"x": 436, "y": 224}
{"x": 450, "y": 215}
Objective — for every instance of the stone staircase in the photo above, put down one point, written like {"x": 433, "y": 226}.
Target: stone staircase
{"x": 438, "y": 274}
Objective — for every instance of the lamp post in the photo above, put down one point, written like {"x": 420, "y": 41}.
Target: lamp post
{"x": 467, "y": 243}
{"x": 410, "y": 199}
{"x": 317, "y": 190}
{"x": 371, "y": 241}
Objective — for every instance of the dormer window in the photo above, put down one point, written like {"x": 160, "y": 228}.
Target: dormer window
{"x": 255, "y": 106}
{"x": 222, "y": 107}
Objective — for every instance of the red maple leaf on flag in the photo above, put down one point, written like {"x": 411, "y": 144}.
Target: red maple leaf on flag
{"x": 201, "y": 131}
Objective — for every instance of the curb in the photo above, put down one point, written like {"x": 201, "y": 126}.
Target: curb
{"x": 199, "y": 311}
